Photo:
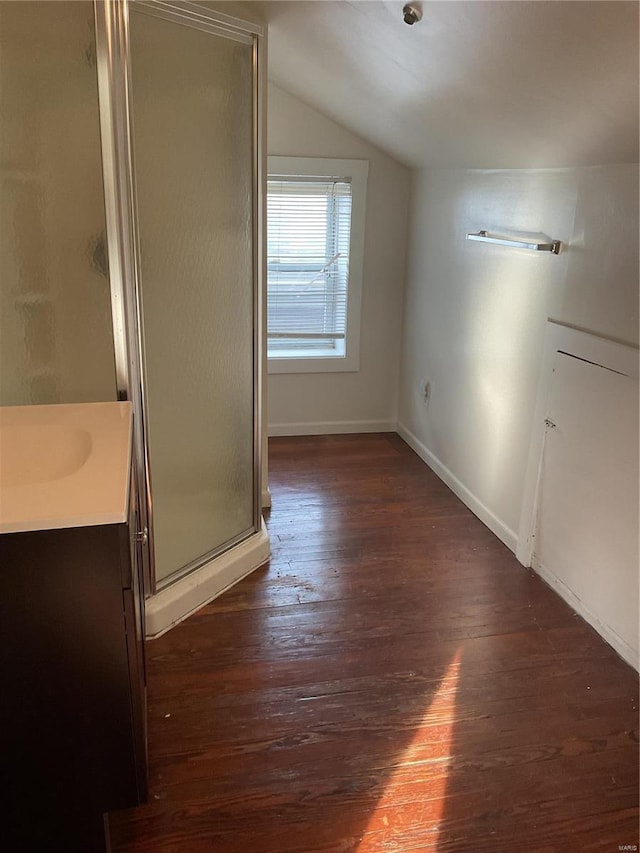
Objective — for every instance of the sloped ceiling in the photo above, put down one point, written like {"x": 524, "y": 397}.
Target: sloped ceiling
{"x": 485, "y": 84}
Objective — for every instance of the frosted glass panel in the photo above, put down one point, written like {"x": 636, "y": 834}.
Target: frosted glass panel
{"x": 192, "y": 125}
{"x": 56, "y": 341}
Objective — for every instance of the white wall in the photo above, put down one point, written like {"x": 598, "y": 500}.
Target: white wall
{"x": 366, "y": 399}
{"x": 601, "y": 293}
{"x": 475, "y": 314}
{"x": 56, "y": 343}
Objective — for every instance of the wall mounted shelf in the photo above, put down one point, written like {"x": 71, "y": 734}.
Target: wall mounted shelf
{"x": 484, "y": 237}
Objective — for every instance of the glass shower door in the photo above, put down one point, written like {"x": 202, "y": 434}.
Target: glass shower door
{"x": 192, "y": 112}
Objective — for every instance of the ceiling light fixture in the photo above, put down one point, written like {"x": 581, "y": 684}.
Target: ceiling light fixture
{"x": 412, "y": 13}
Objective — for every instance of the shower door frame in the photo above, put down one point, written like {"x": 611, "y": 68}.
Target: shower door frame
{"x": 114, "y": 93}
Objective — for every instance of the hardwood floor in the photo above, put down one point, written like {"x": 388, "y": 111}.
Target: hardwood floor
{"x": 393, "y": 681}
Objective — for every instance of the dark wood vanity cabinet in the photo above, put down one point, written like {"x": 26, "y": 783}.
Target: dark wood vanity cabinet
{"x": 73, "y": 710}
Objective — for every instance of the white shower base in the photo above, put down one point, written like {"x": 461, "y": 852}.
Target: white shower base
{"x": 173, "y": 604}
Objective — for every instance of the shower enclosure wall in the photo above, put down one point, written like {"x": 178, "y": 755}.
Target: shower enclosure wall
{"x": 182, "y": 136}
{"x": 166, "y": 100}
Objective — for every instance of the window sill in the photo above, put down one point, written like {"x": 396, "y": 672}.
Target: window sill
{"x": 313, "y": 364}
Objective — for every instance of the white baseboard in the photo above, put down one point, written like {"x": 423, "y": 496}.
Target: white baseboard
{"x": 626, "y": 652}
{"x": 266, "y": 498}
{"x": 486, "y": 516}
{"x": 331, "y": 428}
{"x": 173, "y": 604}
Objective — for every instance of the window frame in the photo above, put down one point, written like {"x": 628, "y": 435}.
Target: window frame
{"x": 358, "y": 171}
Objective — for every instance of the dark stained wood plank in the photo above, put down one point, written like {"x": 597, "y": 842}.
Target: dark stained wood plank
{"x": 393, "y": 681}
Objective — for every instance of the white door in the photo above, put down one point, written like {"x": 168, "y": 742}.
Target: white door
{"x": 587, "y": 525}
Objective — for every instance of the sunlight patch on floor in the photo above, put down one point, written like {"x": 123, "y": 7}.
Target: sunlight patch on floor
{"x": 414, "y": 796}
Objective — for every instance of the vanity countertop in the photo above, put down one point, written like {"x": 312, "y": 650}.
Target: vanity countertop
{"x": 64, "y": 465}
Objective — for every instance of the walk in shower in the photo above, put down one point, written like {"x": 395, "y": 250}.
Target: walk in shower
{"x": 158, "y": 106}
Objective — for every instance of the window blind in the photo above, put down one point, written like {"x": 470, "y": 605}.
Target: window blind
{"x": 308, "y": 234}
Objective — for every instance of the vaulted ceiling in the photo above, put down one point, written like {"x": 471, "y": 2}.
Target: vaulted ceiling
{"x": 484, "y": 84}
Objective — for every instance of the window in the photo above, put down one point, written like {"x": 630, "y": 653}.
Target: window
{"x": 315, "y": 237}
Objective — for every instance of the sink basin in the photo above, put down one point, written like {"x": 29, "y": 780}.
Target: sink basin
{"x": 64, "y": 465}
{"x": 26, "y": 459}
